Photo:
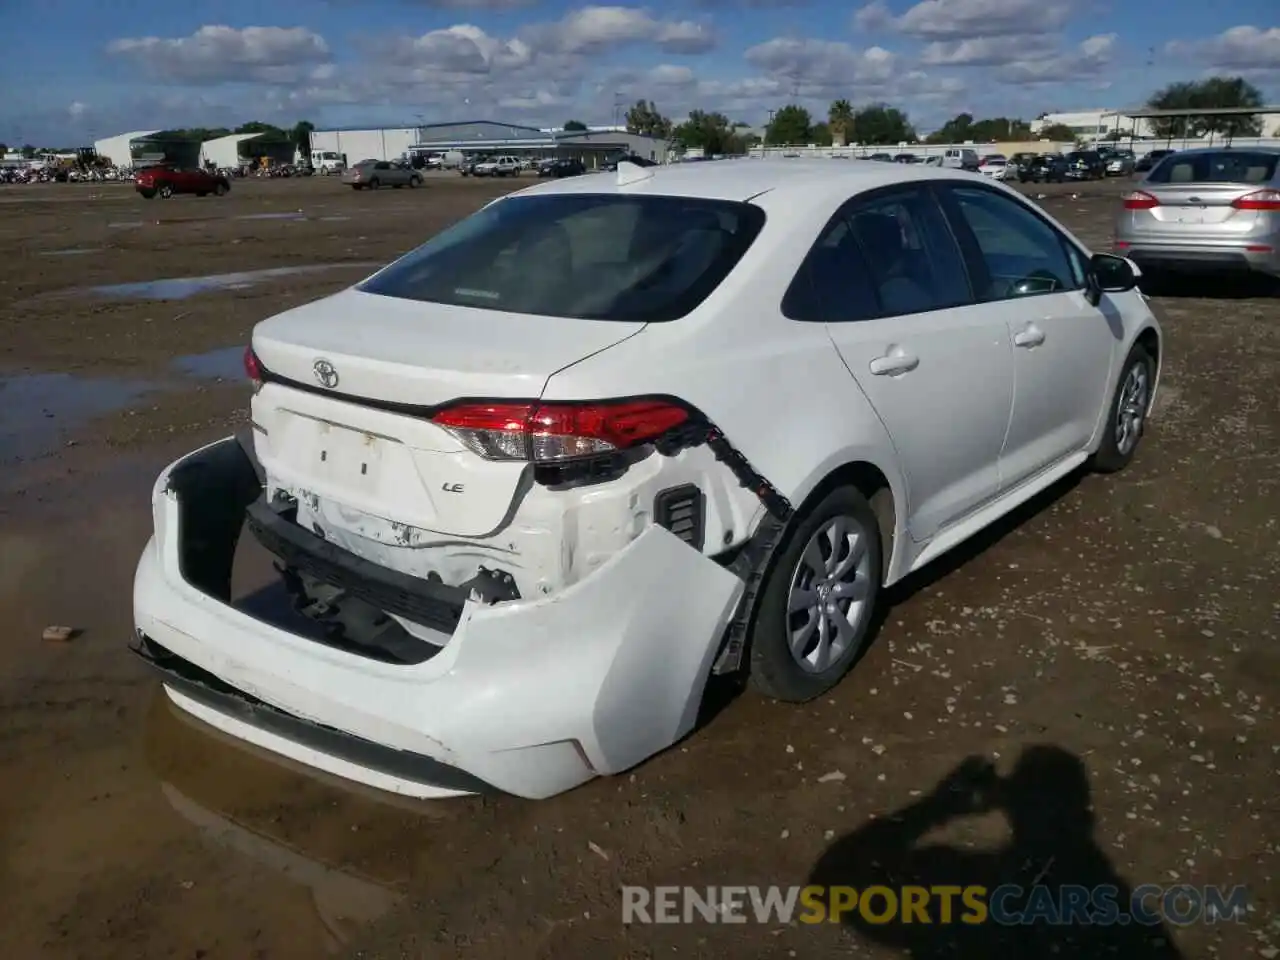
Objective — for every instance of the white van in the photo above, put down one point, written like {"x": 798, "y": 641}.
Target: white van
{"x": 961, "y": 159}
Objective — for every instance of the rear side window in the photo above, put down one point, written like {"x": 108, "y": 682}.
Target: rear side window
{"x": 886, "y": 256}
{"x": 587, "y": 256}
{"x": 1226, "y": 166}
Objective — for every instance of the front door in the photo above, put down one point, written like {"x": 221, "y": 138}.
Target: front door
{"x": 1033, "y": 278}
{"x": 890, "y": 281}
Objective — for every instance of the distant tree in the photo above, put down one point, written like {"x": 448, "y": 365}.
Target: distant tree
{"x": 882, "y": 124}
{"x": 301, "y": 136}
{"x": 840, "y": 119}
{"x": 643, "y": 118}
{"x": 257, "y": 126}
{"x": 28, "y": 151}
{"x": 710, "y": 132}
{"x": 574, "y": 126}
{"x": 1213, "y": 93}
{"x": 956, "y": 130}
{"x": 821, "y": 135}
{"x": 4, "y": 148}
{"x": 791, "y": 125}
{"x": 1058, "y": 132}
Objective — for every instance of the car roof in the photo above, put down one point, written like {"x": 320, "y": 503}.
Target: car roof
{"x": 747, "y": 178}
{"x": 1201, "y": 151}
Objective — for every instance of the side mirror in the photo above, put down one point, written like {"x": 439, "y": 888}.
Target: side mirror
{"x": 1109, "y": 274}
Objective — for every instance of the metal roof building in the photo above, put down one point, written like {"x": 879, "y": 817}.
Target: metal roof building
{"x": 119, "y": 149}
{"x": 482, "y": 136}
{"x": 224, "y": 151}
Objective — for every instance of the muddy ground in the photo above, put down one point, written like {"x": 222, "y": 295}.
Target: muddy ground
{"x": 1129, "y": 624}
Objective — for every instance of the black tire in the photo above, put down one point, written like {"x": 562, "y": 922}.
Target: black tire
{"x": 374, "y": 184}
{"x": 220, "y": 190}
{"x": 165, "y": 190}
{"x": 1111, "y": 456}
{"x": 147, "y": 194}
{"x": 774, "y": 670}
{"x": 415, "y": 183}
{"x": 357, "y": 186}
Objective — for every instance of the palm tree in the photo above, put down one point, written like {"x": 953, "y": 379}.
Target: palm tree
{"x": 840, "y": 118}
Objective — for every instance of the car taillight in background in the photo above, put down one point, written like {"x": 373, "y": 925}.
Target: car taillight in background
{"x": 1261, "y": 200}
{"x": 552, "y": 432}
{"x": 1140, "y": 200}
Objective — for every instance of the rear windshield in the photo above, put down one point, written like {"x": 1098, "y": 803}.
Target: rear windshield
{"x": 1227, "y": 166}
{"x": 587, "y": 256}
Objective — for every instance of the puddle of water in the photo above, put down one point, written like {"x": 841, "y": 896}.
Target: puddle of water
{"x": 331, "y": 219}
{"x": 124, "y": 225}
{"x": 180, "y": 288}
{"x": 272, "y": 216}
{"x": 72, "y": 252}
{"x": 37, "y": 409}
{"x": 226, "y": 363}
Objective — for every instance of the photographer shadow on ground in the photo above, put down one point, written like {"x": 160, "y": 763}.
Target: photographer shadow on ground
{"x": 1047, "y": 803}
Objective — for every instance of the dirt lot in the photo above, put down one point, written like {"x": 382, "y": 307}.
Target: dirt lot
{"x": 1119, "y": 638}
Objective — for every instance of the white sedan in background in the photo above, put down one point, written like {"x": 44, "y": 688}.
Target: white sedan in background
{"x": 610, "y": 435}
{"x": 994, "y": 167}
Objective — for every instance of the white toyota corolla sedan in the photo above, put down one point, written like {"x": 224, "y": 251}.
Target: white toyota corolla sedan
{"x": 532, "y": 483}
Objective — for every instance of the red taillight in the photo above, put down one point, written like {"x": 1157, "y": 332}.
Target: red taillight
{"x": 558, "y": 431}
{"x": 252, "y": 367}
{"x": 1262, "y": 200}
{"x": 1140, "y": 200}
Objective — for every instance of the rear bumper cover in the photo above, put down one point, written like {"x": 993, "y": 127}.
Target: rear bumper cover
{"x": 531, "y": 697}
{"x": 1206, "y": 256}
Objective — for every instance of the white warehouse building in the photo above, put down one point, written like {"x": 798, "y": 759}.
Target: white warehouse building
{"x": 1091, "y": 124}
{"x": 119, "y": 149}
{"x": 224, "y": 152}
{"x": 366, "y": 143}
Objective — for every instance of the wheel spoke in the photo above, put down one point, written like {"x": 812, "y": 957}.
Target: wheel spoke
{"x": 857, "y": 550}
{"x": 800, "y": 638}
{"x": 822, "y": 654}
{"x": 844, "y": 632}
{"x": 802, "y": 600}
{"x": 854, "y": 590}
{"x": 835, "y": 534}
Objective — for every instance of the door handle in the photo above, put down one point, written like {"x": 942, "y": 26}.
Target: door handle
{"x": 1030, "y": 336}
{"x": 896, "y": 361}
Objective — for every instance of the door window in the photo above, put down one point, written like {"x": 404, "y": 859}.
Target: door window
{"x": 1022, "y": 254}
{"x": 886, "y": 256}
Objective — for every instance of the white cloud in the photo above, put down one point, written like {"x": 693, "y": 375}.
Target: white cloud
{"x": 225, "y": 54}
{"x": 1083, "y": 61}
{"x": 962, "y": 19}
{"x": 1246, "y": 48}
{"x": 592, "y": 30}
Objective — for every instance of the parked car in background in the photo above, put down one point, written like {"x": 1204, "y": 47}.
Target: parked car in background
{"x": 381, "y": 173}
{"x": 988, "y": 157}
{"x": 1120, "y": 163}
{"x": 1017, "y": 162}
{"x": 166, "y": 180}
{"x": 504, "y": 166}
{"x": 881, "y": 157}
{"x": 960, "y": 158}
{"x": 1043, "y": 168}
{"x": 1148, "y": 161}
{"x": 1085, "y": 165}
{"x": 525, "y": 507}
{"x": 561, "y": 167}
{"x": 995, "y": 167}
{"x": 906, "y": 158}
{"x": 1212, "y": 209}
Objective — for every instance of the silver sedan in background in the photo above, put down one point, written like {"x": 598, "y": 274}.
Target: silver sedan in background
{"x": 1205, "y": 210}
{"x": 381, "y": 173}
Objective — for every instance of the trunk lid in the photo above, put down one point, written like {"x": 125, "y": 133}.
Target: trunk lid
{"x": 1200, "y": 204}
{"x": 360, "y": 439}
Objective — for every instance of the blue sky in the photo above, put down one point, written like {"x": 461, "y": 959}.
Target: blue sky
{"x": 76, "y": 70}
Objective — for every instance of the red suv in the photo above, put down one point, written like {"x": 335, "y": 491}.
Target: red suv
{"x": 166, "y": 180}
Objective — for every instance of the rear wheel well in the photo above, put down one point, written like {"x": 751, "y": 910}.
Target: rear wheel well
{"x": 868, "y": 480}
{"x": 1149, "y": 340}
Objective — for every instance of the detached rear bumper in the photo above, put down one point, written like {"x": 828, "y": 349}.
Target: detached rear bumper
{"x": 530, "y": 697}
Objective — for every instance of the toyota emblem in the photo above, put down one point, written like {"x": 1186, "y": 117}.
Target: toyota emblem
{"x": 326, "y": 374}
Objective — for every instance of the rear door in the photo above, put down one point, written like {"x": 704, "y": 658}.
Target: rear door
{"x": 1031, "y": 277}
{"x": 888, "y": 278}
